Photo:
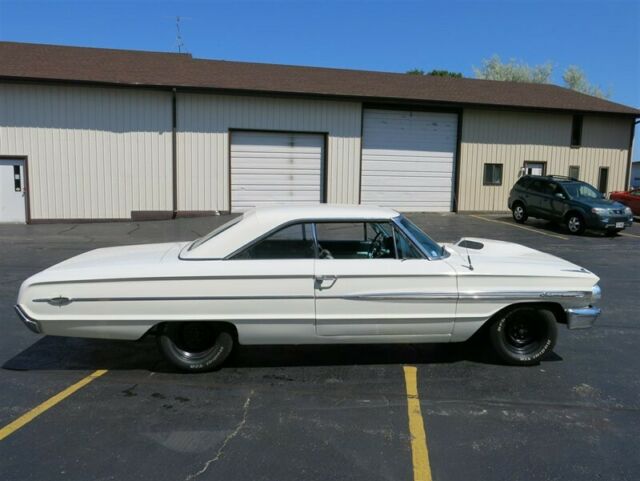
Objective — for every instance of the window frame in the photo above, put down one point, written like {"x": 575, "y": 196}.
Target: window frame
{"x": 393, "y": 223}
{"x": 484, "y": 173}
{"x": 577, "y": 123}
{"x": 577, "y": 177}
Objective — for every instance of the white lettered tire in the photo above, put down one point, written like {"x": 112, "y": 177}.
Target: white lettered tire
{"x": 522, "y": 336}
{"x": 195, "y": 346}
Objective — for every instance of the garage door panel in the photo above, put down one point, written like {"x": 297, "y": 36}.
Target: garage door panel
{"x": 274, "y": 167}
{"x": 407, "y": 159}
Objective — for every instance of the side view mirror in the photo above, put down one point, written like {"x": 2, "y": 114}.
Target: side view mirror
{"x": 559, "y": 195}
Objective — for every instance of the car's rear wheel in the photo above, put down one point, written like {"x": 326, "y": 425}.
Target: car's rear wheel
{"x": 195, "y": 346}
{"x": 524, "y": 335}
{"x": 519, "y": 212}
{"x": 575, "y": 223}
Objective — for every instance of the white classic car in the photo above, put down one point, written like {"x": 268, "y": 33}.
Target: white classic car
{"x": 313, "y": 275}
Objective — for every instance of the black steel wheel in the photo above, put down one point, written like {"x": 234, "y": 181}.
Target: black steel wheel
{"x": 195, "y": 346}
{"x": 519, "y": 212}
{"x": 524, "y": 335}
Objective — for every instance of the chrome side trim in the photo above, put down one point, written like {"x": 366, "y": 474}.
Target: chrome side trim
{"x": 367, "y": 296}
{"x": 69, "y": 300}
{"x": 31, "y": 324}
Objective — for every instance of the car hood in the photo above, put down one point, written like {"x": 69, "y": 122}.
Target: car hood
{"x": 492, "y": 257}
{"x": 602, "y": 203}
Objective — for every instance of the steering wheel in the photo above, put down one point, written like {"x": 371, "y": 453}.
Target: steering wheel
{"x": 377, "y": 247}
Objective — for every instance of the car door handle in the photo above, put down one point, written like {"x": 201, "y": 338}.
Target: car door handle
{"x": 325, "y": 278}
{"x": 320, "y": 282}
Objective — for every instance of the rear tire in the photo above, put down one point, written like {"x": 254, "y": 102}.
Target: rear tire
{"x": 519, "y": 212}
{"x": 195, "y": 346}
{"x": 524, "y": 335}
{"x": 575, "y": 223}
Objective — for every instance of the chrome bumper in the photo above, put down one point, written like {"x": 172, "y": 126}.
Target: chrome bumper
{"x": 30, "y": 323}
{"x": 582, "y": 318}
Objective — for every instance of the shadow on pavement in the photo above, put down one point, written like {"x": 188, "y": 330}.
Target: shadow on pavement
{"x": 59, "y": 353}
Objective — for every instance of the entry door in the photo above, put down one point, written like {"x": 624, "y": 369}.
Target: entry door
{"x": 275, "y": 168}
{"x": 603, "y": 180}
{"x": 12, "y": 191}
{"x": 534, "y": 168}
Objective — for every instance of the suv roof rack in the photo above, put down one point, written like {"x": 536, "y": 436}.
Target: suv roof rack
{"x": 553, "y": 176}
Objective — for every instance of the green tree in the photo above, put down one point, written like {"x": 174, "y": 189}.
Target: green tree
{"x": 435, "y": 73}
{"x": 575, "y": 79}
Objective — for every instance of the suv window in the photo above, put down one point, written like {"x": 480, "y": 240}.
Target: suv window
{"x": 355, "y": 240}
{"x": 537, "y": 186}
{"x": 291, "y": 242}
{"x": 523, "y": 182}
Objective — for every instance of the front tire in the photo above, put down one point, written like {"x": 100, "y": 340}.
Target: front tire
{"x": 519, "y": 212}
{"x": 523, "y": 336}
{"x": 575, "y": 224}
{"x": 195, "y": 346}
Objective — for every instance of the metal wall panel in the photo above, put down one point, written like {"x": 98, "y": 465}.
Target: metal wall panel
{"x": 93, "y": 153}
{"x": 203, "y": 142}
{"x": 275, "y": 168}
{"x": 511, "y": 138}
{"x": 407, "y": 159}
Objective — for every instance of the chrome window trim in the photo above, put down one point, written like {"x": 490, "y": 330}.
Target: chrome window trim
{"x": 412, "y": 239}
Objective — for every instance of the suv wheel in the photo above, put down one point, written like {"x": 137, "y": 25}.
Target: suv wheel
{"x": 519, "y": 213}
{"x": 575, "y": 223}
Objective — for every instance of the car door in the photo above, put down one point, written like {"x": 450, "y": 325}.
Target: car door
{"x": 376, "y": 294}
{"x": 535, "y": 198}
{"x": 267, "y": 288}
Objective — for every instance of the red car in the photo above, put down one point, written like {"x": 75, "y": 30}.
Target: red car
{"x": 630, "y": 198}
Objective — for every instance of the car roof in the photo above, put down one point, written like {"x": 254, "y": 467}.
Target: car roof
{"x": 262, "y": 220}
{"x": 554, "y": 178}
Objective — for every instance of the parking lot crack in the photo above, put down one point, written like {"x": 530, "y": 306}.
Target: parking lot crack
{"x": 227, "y": 440}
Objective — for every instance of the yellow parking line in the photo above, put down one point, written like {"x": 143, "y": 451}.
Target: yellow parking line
{"x": 629, "y": 235}
{"x": 49, "y": 403}
{"x": 557, "y": 236}
{"x": 419, "y": 450}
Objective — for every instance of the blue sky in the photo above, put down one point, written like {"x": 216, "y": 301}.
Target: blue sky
{"x": 602, "y": 37}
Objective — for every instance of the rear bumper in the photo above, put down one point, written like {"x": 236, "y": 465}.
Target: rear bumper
{"x": 27, "y": 321}
{"x": 582, "y": 318}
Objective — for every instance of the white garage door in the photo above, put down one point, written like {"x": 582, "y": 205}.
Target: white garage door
{"x": 275, "y": 168}
{"x": 407, "y": 159}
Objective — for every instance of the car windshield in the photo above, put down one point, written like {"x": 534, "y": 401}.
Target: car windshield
{"x": 198, "y": 242}
{"x": 584, "y": 191}
{"x": 428, "y": 245}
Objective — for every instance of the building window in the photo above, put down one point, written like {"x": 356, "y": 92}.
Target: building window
{"x": 574, "y": 171}
{"x": 576, "y": 131}
{"x": 534, "y": 168}
{"x": 603, "y": 179}
{"x": 492, "y": 174}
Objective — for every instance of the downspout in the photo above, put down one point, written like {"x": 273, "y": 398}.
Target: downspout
{"x": 174, "y": 154}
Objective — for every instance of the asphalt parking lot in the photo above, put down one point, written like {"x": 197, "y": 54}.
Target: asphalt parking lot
{"x": 321, "y": 413}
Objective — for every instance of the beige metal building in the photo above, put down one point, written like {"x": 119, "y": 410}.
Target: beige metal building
{"x": 94, "y": 134}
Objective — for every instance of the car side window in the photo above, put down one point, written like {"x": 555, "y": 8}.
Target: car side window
{"x": 355, "y": 240}
{"x": 291, "y": 242}
{"x": 405, "y": 248}
{"x": 537, "y": 186}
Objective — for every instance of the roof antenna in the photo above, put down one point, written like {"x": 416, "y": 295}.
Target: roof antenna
{"x": 179, "y": 42}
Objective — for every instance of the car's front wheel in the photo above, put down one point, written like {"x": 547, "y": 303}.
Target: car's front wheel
{"x": 195, "y": 346}
{"x": 524, "y": 335}
{"x": 519, "y": 212}
{"x": 575, "y": 224}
